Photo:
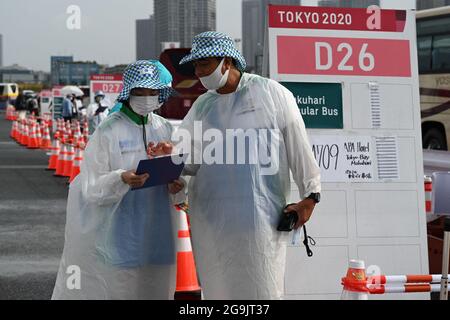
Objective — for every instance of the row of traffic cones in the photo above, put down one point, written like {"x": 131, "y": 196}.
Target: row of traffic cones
{"x": 31, "y": 134}
{"x": 65, "y": 150}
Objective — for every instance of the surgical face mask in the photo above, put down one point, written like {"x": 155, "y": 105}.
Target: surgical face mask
{"x": 144, "y": 105}
{"x": 216, "y": 80}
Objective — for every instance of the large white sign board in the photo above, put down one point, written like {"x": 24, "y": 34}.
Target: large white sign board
{"x": 373, "y": 205}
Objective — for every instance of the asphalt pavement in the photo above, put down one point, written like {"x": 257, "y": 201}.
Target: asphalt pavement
{"x": 32, "y": 220}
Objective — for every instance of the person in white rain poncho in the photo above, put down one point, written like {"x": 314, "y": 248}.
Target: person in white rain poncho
{"x": 119, "y": 243}
{"x": 98, "y": 111}
{"x": 236, "y": 205}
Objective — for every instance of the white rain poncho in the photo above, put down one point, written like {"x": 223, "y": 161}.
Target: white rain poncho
{"x": 235, "y": 208}
{"x": 122, "y": 241}
{"x": 94, "y": 119}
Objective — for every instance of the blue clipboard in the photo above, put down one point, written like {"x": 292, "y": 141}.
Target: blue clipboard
{"x": 162, "y": 170}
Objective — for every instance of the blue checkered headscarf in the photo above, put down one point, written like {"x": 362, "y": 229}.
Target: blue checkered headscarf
{"x": 150, "y": 74}
{"x": 214, "y": 44}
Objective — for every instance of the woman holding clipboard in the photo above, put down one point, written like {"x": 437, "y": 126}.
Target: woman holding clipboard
{"x": 120, "y": 243}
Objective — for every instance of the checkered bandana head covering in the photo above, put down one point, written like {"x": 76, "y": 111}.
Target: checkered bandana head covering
{"x": 214, "y": 44}
{"x": 150, "y": 74}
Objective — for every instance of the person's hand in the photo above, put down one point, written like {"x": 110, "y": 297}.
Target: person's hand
{"x": 176, "y": 186}
{"x": 304, "y": 210}
{"x": 134, "y": 180}
{"x": 160, "y": 149}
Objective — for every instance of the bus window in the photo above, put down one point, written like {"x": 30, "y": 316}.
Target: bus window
{"x": 433, "y": 25}
{"x": 424, "y": 51}
{"x": 441, "y": 53}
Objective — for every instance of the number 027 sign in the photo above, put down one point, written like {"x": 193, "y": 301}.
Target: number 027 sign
{"x": 111, "y": 85}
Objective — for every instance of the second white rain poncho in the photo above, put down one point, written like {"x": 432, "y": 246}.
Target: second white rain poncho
{"x": 235, "y": 208}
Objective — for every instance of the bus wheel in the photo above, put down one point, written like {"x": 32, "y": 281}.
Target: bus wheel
{"x": 434, "y": 139}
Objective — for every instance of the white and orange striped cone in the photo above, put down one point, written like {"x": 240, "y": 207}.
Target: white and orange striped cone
{"x": 33, "y": 141}
{"x": 46, "y": 143}
{"x": 355, "y": 282}
{"x": 25, "y": 132}
{"x": 86, "y": 132}
{"x": 13, "y": 133}
{"x": 187, "y": 287}
{"x": 76, "y": 164}
{"x": 10, "y": 110}
{"x": 428, "y": 194}
{"x": 60, "y": 164}
{"x": 38, "y": 134}
{"x": 20, "y": 131}
{"x": 77, "y": 132}
{"x": 53, "y": 160}
{"x": 70, "y": 155}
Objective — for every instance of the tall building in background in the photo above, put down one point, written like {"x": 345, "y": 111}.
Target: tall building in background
{"x": 180, "y": 20}
{"x": 55, "y": 63}
{"x": 197, "y": 16}
{"x": 1, "y": 50}
{"x": 348, "y": 3}
{"x": 145, "y": 39}
{"x": 428, "y": 4}
{"x": 254, "y": 13}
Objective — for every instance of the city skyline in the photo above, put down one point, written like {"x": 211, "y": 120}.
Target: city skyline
{"x": 101, "y": 38}
{"x": 107, "y": 33}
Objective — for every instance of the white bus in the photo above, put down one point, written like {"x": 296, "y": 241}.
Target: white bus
{"x": 433, "y": 44}
{"x": 8, "y": 94}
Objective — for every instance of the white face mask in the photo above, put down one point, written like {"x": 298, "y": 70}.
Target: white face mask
{"x": 144, "y": 105}
{"x": 216, "y": 80}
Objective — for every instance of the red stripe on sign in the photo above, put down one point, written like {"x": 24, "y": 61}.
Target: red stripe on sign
{"x": 299, "y": 17}
{"x": 343, "y": 56}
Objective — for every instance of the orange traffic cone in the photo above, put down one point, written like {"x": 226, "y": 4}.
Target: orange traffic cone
{"x": 19, "y": 132}
{"x": 76, "y": 164}
{"x": 355, "y": 282}
{"x": 12, "y": 134}
{"x": 70, "y": 155}
{"x": 46, "y": 143}
{"x": 33, "y": 141}
{"x": 61, "y": 162}
{"x": 24, "y": 138}
{"x": 187, "y": 284}
{"x": 53, "y": 160}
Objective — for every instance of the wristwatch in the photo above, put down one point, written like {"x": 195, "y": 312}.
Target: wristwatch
{"x": 315, "y": 197}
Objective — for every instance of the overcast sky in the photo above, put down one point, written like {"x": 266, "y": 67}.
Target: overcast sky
{"x": 34, "y": 30}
